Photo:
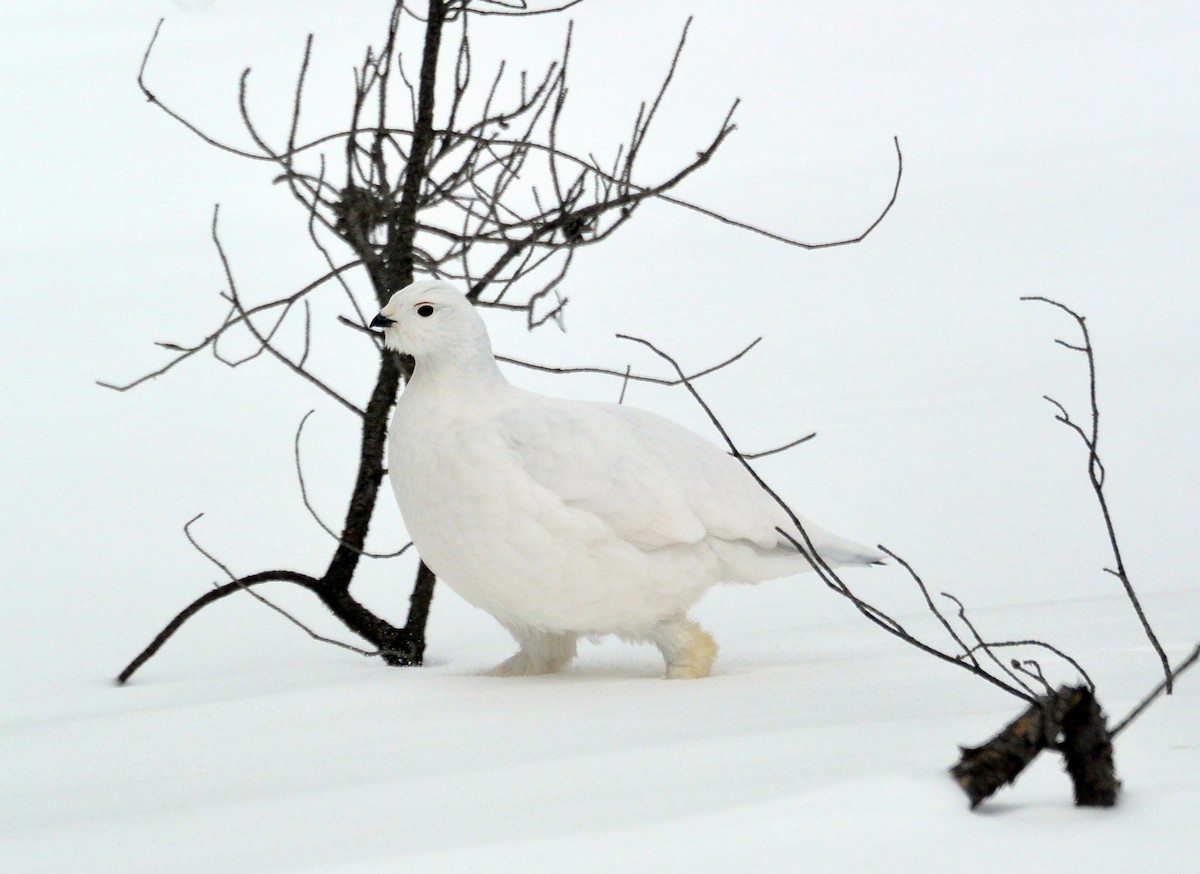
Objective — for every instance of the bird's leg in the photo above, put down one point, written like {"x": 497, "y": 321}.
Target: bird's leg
{"x": 541, "y": 652}
{"x": 687, "y": 648}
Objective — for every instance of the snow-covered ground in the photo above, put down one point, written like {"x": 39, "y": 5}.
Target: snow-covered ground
{"x": 1049, "y": 150}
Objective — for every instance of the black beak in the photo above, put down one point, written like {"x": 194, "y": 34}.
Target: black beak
{"x": 382, "y": 321}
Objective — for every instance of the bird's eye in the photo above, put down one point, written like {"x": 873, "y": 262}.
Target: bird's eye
{"x": 425, "y": 310}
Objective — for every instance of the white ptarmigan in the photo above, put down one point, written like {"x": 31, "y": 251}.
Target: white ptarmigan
{"x": 567, "y": 518}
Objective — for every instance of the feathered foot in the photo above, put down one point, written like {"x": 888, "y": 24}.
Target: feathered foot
{"x": 688, "y": 649}
{"x": 541, "y": 652}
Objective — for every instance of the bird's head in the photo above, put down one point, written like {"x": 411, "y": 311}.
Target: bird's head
{"x": 432, "y": 319}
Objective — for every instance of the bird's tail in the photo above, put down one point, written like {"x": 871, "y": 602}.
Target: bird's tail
{"x": 747, "y": 562}
{"x": 837, "y": 551}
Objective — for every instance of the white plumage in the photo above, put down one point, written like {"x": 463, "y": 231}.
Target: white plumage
{"x": 566, "y": 518}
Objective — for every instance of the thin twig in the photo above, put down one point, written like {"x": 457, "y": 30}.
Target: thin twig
{"x": 186, "y": 352}
{"x": 967, "y": 652}
{"x": 789, "y": 241}
{"x": 242, "y": 584}
{"x": 517, "y": 11}
{"x": 153, "y": 98}
{"x": 1133, "y": 714}
{"x": 1033, "y": 670}
{"x": 981, "y": 645}
{"x": 624, "y": 384}
{"x": 312, "y": 511}
{"x": 1041, "y": 644}
{"x": 625, "y": 375}
{"x": 751, "y": 456}
{"x": 265, "y": 342}
{"x": 636, "y": 377}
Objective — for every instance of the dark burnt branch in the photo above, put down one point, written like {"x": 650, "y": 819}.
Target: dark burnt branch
{"x": 1088, "y": 752}
{"x": 982, "y": 770}
{"x": 1091, "y": 439}
{"x": 1068, "y": 720}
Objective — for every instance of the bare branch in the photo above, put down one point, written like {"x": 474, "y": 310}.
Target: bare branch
{"x": 265, "y": 341}
{"x": 186, "y": 352}
{"x": 980, "y": 644}
{"x": 1163, "y": 686}
{"x": 216, "y": 594}
{"x": 624, "y": 385}
{"x": 152, "y": 98}
{"x": 751, "y": 456}
{"x": 967, "y": 652}
{"x": 1096, "y": 476}
{"x": 291, "y": 140}
{"x": 244, "y": 585}
{"x": 634, "y": 377}
{"x": 1041, "y": 644}
{"x": 515, "y": 9}
{"x": 788, "y": 241}
{"x": 312, "y": 511}
{"x": 634, "y": 188}
{"x": 1033, "y": 670}
{"x": 819, "y": 565}
{"x": 642, "y": 126}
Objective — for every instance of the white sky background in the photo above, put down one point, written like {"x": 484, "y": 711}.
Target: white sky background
{"x": 1049, "y": 149}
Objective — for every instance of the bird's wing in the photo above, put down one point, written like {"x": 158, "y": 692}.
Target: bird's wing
{"x": 589, "y": 456}
{"x": 655, "y": 482}
{"x": 715, "y": 485}
{"x": 730, "y": 504}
